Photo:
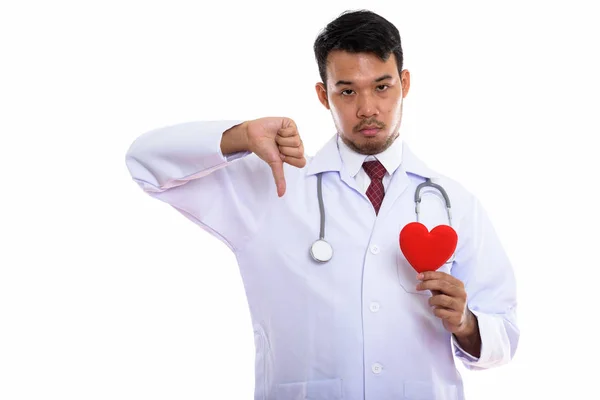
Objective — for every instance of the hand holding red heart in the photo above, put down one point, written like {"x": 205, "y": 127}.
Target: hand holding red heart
{"x": 450, "y": 305}
{"x": 426, "y": 252}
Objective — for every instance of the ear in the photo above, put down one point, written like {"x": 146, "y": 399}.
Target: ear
{"x": 322, "y": 94}
{"x": 405, "y": 78}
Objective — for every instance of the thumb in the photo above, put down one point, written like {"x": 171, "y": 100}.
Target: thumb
{"x": 277, "y": 169}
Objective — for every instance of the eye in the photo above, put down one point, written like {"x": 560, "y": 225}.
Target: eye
{"x": 382, "y": 88}
{"x": 344, "y": 92}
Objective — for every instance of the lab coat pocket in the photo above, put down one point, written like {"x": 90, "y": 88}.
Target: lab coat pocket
{"x": 326, "y": 389}
{"x": 407, "y": 276}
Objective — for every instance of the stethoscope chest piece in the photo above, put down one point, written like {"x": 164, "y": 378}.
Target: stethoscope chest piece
{"x": 321, "y": 251}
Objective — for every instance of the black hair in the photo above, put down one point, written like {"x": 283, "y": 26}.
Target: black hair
{"x": 360, "y": 31}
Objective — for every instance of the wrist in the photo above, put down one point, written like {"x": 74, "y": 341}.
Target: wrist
{"x": 235, "y": 139}
{"x": 470, "y": 328}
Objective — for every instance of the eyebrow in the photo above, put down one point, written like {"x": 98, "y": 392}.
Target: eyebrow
{"x": 381, "y": 78}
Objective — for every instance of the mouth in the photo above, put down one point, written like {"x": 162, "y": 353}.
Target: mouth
{"x": 370, "y": 131}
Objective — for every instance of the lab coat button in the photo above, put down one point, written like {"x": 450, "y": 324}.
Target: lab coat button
{"x": 374, "y": 249}
{"x": 374, "y": 306}
{"x": 376, "y": 368}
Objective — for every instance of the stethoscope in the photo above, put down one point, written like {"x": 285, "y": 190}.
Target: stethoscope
{"x": 321, "y": 251}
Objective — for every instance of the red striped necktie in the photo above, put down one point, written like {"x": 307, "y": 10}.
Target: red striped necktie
{"x": 375, "y": 192}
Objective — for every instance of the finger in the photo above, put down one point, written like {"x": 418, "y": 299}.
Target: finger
{"x": 429, "y": 275}
{"x": 443, "y": 286}
{"x": 447, "y": 302}
{"x": 453, "y": 317}
{"x": 297, "y": 152}
{"x": 295, "y": 161}
{"x": 288, "y": 123}
{"x": 288, "y": 132}
{"x": 277, "y": 168}
{"x": 291, "y": 141}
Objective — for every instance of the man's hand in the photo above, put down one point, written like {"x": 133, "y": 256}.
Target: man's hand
{"x": 449, "y": 300}
{"x": 276, "y": 140}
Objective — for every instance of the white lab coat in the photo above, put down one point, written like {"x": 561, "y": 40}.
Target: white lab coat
{"x": 356, "y": 327}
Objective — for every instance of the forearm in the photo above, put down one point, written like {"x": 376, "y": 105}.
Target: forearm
{"x": 499, "y": 337}
{"x": 470, "y": 339}
{"x": 235, "y": 139}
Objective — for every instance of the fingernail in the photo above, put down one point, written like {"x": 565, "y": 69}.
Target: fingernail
{"x": 420, "y": 276}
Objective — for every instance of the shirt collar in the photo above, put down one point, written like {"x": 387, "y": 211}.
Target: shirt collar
{"x": 390, "y": 158}
{"x": 332, "y": 156}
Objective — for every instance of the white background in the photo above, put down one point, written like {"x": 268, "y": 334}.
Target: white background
{"x": 106, "y": 293}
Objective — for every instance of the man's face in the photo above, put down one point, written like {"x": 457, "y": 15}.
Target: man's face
{"x": 364, "y": 92}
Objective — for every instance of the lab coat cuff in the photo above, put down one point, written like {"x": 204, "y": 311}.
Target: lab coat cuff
{"x": 488, "y": 327}
{"x": 206, "y": 136}
{"x": 234, "y": 156}
{"x": 213, "y": 134}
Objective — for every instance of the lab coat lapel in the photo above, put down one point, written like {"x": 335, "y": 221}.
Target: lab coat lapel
{"x": 328, "y": 159}
{"x": 400, "y": 181}
{"x": 398, "y": 184}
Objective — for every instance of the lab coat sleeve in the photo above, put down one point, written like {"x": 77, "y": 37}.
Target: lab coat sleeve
{"x": 483, "y": 266}
{"x": 182, "y": 165}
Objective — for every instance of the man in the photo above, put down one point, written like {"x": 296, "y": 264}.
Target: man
{"x": 363, "y": 325}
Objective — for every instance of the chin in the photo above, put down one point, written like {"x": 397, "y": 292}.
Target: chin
{"x": 369, "y": 145}
{"x": 373, "y": 145}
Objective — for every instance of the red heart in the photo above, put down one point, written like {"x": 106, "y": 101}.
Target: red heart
{"x": 424, "y": 250}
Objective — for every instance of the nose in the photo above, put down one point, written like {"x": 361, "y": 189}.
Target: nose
{"x": 366, "y": 107}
